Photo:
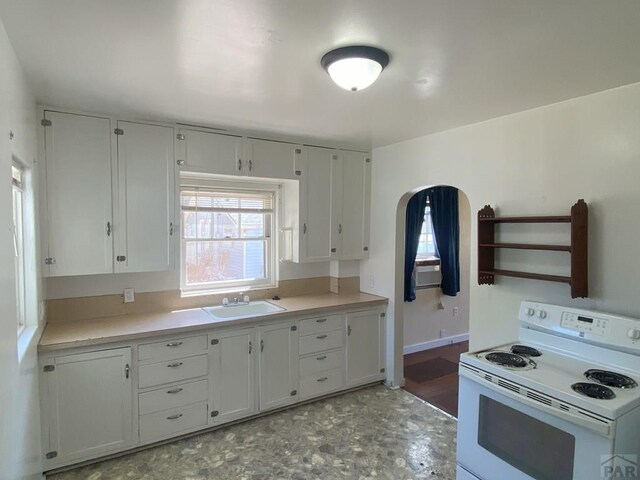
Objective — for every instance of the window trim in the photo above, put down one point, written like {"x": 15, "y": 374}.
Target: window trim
{"x": 188, "y": 181}
{"x": 18, "y": 191}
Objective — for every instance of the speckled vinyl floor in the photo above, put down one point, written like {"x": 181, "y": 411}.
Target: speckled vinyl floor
{"x": 374, "y": 433}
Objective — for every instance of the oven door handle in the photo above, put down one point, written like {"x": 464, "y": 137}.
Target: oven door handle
{"x": 599, "y": 426}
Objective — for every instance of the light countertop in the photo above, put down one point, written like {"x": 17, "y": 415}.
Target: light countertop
{"x": 80, "y": 333}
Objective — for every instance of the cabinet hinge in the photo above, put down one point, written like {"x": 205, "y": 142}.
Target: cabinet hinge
{"x": 48, "y": 368}
{"x": 366, "y": 249}
{"x": 298, "y": 151}
{"x": 121, "y": 258}
{"x": 298, "y": 173}
{"x": 294, "y": 393}
{"x": 334, "y": 250}
{"x": 383, "y": 315}
{"x": 118, "y": 131}
{"x": 368, "y": 160}
{"x": 348, "y": 329}
{"x": 215, "y": 341}
{"x": 382, "y": 370}
{"x": 180, "y": 162}
{"x": 215, "y": 413}
{"x": 294, "y": 328}
{"x": 51, "y": 455}
{"x": 45, "y": 123}
{"x": 49, "y": 261}
{"x": 180, "y": 136}
{"x": 334, "y": 157}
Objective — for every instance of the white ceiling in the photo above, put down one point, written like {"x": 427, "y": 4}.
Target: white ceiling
{"x": 255, "y": 64}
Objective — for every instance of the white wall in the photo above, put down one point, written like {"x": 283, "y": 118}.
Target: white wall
{"x": 534, "y": 162}
{"x": 423, "y": 319}
{"x": 19, "y": 403}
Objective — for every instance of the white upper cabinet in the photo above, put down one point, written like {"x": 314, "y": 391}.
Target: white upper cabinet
{"x": 264, "y": 158}
{"x": 210, "y": 152}
{"x": 317, "y": 204}
{"x": 146, "y": 171}
{"x": 352, "y": 186}
{"x": 79, "y": 238}
{"x": 87, "y": 405}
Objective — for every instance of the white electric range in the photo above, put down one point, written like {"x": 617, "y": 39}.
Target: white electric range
{"x": 560, "y": 403}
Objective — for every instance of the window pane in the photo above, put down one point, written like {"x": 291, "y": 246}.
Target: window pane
{"x": 189, "y": 224}
{"x": 204, "y": 224}
{"x": 226, "y": 225}
{"x": 252, "y": 225}
{"x": 208, "y": 262}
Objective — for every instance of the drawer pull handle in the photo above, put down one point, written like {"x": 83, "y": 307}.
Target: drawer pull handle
{"x": 174, "y": 417}
{"x": 323, "y": 357}
{"x": 321, "y": 320}
{"x": 323, "y": 379}
{"x": 175, "y": 390}
{"x": 175, "y": 365}
{"x": 174, "y": 344}
{"x": 321, "y": 337}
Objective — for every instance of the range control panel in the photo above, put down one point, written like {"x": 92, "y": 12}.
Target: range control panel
{"x": 587, "y": 324}
{"x": 596, "y": 327}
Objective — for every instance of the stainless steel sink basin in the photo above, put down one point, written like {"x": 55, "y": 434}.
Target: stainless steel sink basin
{"x": 253, "y": 309}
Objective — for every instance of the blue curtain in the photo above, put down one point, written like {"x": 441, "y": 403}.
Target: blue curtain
{"x": 446, "y": 229}
{"x": 415, "y": 216}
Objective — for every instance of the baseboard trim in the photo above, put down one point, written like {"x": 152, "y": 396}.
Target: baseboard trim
{"x": 439, "y": 342}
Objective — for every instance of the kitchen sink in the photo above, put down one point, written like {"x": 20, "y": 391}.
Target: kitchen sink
{"x": 243, "y": 310}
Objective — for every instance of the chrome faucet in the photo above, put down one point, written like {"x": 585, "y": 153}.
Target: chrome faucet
{"x": 241, "y": 299}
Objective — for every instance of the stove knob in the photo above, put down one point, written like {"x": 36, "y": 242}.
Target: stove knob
{"x": 633, "y": 333}
{"x": 530, "y": 312}
{"x": 542, "y": 314}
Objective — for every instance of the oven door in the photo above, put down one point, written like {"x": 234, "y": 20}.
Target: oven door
{"x": 503, "y": 435}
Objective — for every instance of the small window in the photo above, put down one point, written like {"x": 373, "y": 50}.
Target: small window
{"x": 226, "y": 238}
{"x": 427, "y": 241}
{"x": 17, "y": 175}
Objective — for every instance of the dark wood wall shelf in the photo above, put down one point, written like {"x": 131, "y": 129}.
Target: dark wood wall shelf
{"x": 578, "y": 280}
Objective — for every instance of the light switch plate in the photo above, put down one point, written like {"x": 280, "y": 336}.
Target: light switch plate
{"x": 129, "y": 295}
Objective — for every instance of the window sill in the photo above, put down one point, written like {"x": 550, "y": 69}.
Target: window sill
{"x": 226, "y": 290}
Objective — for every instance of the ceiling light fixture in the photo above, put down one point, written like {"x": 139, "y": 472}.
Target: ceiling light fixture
{"x": 355, "y": 67}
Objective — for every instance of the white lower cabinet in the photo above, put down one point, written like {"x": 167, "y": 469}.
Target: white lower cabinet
{"x": 87, "y": 405}
{"x": 232, "y": 356}
{"x": 278, "y": 365}
{"x": 365, "y": 347}
{"x": 186, "y": 383}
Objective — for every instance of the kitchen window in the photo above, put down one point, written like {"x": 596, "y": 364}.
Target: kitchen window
{"x": 427, "y": 242}
{"x": 226, "y": 238}
{"x": 17, "y": 189}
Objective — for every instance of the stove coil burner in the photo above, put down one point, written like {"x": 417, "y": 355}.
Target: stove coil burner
{"x": 593, "y": 390}
{"x": 525, "y": 350}
{"x": 610, "y": 379}
{"x": 509, "y": 360}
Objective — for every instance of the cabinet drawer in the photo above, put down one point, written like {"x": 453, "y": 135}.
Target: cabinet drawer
{"x": 172, "y": 371}
{"x": 321, "y": 324}
{"x": 171, "y": 348}
{"x": 175, "y": 421}
{"x": 320, "y": 341}
{"x": 321, "y": 362}
{"x": 321, "y": 383}
{"x": 173, "y": 397}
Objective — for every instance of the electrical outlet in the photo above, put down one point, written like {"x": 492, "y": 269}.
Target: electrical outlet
{"x": 443, "y": 333}
{"x": 129, "y": 295}
{"x": 372, "y": 281}
{"x": 455, "y": 311}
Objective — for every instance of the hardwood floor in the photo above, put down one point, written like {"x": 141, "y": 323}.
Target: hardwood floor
{"x": 432, "y": 375}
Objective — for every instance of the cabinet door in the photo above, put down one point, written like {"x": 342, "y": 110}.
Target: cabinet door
{"x": 318, "y": 205}
{"x": 146, "y": 181}
{"x": 263, "y": 158}
{"x": 79, "y": 199}
{"x": 233, "y": 375}
{"x": 365, "y": 347}
{"x": 210, "y": 152}
{"x": 356, "y": 199}
{"x": 278, "y": 365}
{"x": 87, "y": 405}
